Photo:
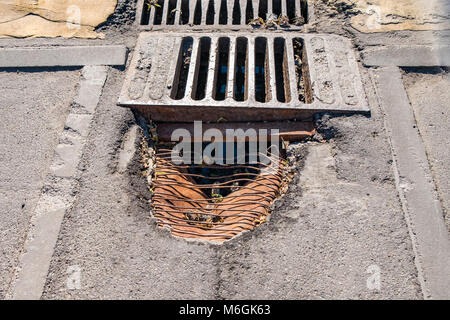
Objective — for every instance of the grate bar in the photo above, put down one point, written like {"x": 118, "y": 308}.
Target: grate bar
{"x": 177, "y": 13}
{"x": 269, "y": 8}
{"x": 192, "y": 5}
{"x": 242, "y": 6}
{"x": 271, "y": 55}
{"x": 212, "y": 62}
{"x": 217, "y": 5}
{"x": 191, "y": 75}
{"x": 231, "y": 69}
{"x": 165, "y": 12}
{"x": 291, "y": 68}
{"x": 251, "y": 73}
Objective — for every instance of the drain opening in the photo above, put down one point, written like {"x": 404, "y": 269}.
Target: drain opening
{"x": 276, "y": 7}
{"x": 184, "y": 12}
{"x": 221, "y": 70}
{"x": 241, "y": 71}
{"x": 223, "y": 13}
{"x": 304, "y": 10}
{"x": 249, "y": 11}
{"x": 182, "y": 70}
{"x": 262, "y": 12}
{"x": 145, "y": 18}
{"x": 281, "y": 71}
{"x": 159, "y": 12}
{"x": 171, "y": 12}
{"x": 210, "y": 13}
{"x": 261, "y": 70}
{"x": 214, "y": 201}
{"x": 271, "y": 70}
{"x": 201, "y": 72}
{"x": 236, "y": 12}
{"x": 302, "y": 71}
{"x": 285, "y": 13}
{"x": 198, "y": 13}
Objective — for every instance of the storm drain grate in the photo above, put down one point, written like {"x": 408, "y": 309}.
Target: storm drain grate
{"x": 213, "y": 202}
{"x": 245, "y": 77}
{"x": 223, "y": 13}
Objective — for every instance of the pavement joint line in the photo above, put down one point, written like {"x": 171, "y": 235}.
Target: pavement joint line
{"x": 66, "y": 56}
{"x": 420, "y": 203}
{"x": 407, "y": 56}
{"x": 57, "y": 194}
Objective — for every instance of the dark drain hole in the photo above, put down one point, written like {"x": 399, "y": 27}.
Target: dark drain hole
{"x": 249, "y": 11}
{"x": 223, "y": 13}
{"x": 261, "y": 67}
{"x": 198, "y": 13}
{"x": 221, "y": 74}
{"x": 276, "y": 7}
{"x": 171, "y": 12}
{"x": 236, "y": 12}
{"x": 290, "y": 10}
{"x": 159, "y": 12}
{"x": 210, "y": 13}
{"x": 262, "y": 12}
{"x": 241, "y": 72}
{"x": 304, "y": 10}
{"x": 281, "y": 71}
{"x": 184, "y": 14}
{"x": 201, "y": 72}
{"x": 182, "y": 70}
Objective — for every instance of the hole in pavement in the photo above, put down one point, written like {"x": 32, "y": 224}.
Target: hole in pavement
{"x": 215, "y": 201}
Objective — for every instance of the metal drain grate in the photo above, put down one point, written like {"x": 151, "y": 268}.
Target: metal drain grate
{"x": 213, "y": 202}
{"x": 246, "y": 77}
{"x": 155, "y": 14}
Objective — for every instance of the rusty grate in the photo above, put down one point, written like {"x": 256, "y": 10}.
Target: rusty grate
{"x": 213, "y": 202}
{"x": 245, "y": 77}
{"x": 290, "y": 14}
